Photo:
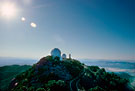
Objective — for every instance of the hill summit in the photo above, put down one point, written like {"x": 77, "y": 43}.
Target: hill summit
{"x": 51, "y": 74}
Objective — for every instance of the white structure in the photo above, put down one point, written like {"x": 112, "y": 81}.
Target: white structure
{"x": 69, "y": 56}
{"x": 63, "y": 56}
{"x": 56, "y": 53}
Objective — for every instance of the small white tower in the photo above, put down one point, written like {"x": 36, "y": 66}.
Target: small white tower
{"x": 69, "y": 56}
{"x": 63, "y": 56}
{"x": 56, "y": 53}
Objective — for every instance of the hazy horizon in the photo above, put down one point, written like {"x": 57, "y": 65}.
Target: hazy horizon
{"x": 109, "y": 65}
{"x": 90, "y": 59}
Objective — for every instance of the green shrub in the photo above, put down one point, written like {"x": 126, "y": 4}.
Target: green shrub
{"x": 50, "y": 58}
{"x": 97, "y": 88}
{"x": 31, "y": 88}
{"x": 54, "y": 85}
{"x": 73, "y": 66}
{"x": 23, "y": 88}
{"x": 94, "y": 68}
{"x": 40, "y": 89}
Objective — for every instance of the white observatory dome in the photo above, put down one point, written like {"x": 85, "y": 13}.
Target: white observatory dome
{"x": 64, "y": 56}
{"x": 56, "y": 53}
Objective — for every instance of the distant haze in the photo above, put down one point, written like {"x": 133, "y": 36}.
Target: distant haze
{"x": 109, "y": 65}
{"x": 113, "y": 65}
{"x": 16, "y": 61}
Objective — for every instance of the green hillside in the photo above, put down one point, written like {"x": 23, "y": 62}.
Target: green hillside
{"x": 7, "y": 73}
{"x": 67, "y": 75}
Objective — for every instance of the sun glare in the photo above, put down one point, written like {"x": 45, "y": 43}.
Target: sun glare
{"x": 8, "y": 9}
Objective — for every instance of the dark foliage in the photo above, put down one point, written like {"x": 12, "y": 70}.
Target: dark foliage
{"x": 54, "y": 75}
{"x": 7, "y": 73}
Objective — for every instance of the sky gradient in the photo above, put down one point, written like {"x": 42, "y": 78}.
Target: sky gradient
{"x": 89, "y": 29}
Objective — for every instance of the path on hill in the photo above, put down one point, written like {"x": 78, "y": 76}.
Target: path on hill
{"x": 74, "y": 82}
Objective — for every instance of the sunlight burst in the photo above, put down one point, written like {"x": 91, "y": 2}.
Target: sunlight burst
{"x": 8, "y": 9}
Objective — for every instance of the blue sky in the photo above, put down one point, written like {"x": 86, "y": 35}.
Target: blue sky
{"x": 89, "y": 29}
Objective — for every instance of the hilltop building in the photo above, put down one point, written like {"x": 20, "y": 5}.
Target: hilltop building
{"x": 69, "y": 56}
{"x": 63, "y": 56}
{"x": 57, "y": 53}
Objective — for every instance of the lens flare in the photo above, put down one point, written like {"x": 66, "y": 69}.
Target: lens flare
{"x": 23, "y": 19}
{"x": 33, "y": 25}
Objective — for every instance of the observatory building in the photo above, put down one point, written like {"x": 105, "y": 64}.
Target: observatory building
{"x": 63, "y": 56}
{"x": 57, "y": 53}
